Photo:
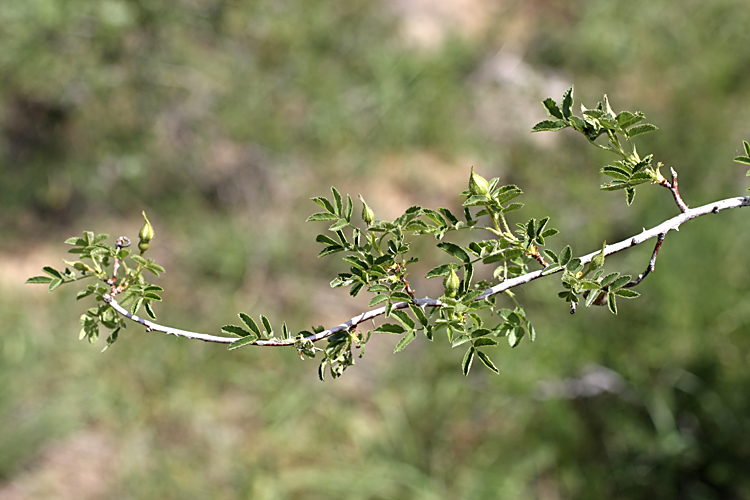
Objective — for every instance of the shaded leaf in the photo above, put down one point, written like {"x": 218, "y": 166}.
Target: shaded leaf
{"x": 643, "y": 128}
{"x": 247, "y": 340}
{"x": 552, "y": 108}
{"x": 406, "y": 340}
{"x": 468, "y": 359}
{"x": 454, "y": 250}
{"x": 612, "y": 303}
{"x": 487, "y": 361}
{"x": 38, "y": 280}
{"x": 321, "y": 216}
{"x": 235, "y": 330}
{"x": 391, "y": 328}
{"x": 550, "y": 126}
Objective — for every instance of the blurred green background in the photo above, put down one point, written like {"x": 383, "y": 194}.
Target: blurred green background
{"x": 222, "y": 118}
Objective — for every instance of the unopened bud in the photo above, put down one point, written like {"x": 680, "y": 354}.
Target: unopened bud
{"x": 451, "y": 283}
{"x": 478, "y": 185}
{"x": 367, "y": 214}
{"x": 598, "y": 260}
{"x": 146, "y": 234}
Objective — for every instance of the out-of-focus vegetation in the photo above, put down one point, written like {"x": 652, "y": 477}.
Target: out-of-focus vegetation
{"x": 222, "y": 118}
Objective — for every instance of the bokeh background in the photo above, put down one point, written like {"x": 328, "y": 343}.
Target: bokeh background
{"x": 222, "y": 118}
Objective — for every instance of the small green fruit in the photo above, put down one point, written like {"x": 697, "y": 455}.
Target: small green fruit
{"x": 146, "y": 234}
{"x": 451, "y": 283}
{"x": 478, "y": 185}
{"x": 367, "y": 214}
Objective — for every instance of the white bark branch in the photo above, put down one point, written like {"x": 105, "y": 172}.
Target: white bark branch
{"x": 663, "y": 228}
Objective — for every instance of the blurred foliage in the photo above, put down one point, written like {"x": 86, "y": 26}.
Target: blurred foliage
{"x": 222, "y": 118}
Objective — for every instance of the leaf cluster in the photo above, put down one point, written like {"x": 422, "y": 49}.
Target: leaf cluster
{"x": 620, "y": 129}
{"x": 99, "y": 260}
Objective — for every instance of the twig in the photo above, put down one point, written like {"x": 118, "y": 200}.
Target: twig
{"x": 656, "y": 232}
{"x": 122, "y": 242}
{"x": 651, "y": 263}
{"x": 672, "y": 186}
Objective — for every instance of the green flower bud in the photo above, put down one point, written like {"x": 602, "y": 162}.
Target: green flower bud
{"x": 146, "y": 234}
{"x": 598, "y": 260}
{"x": 478, "y": 185}
{"x": 451, "y": 283}
{"x": 367, "y": 214}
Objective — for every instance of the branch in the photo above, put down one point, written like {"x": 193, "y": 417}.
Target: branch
{"x": 658, "y": 231}
{"x": 672, "y": 186}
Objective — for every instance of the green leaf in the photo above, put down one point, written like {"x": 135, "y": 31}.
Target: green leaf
{"x": 349, "y": 208}
{"x": 468, "y": 359}
{"x": 616, "y": 172}
{"x": 151, "y": 296}
{"x": 743, "y": 159}
{"x": 612, "y": 303}
{"x": 235, "y": 330}
{"x": 609, "y": 279}
{"x": 250, "y": 323}
{"x": 552, "y": 268}
{"x": 567, "y": 102}
{"x": 507, "y": 193}
{"x": 512, "y": 207}
{"x": 149, "y": 309}
{"x": 338, "y": 225}
{"x": 455, "y": 250}
{"x": 326, "y": 240}
{"x": 552, "y": 108}
{"x": 448, "y": 215}
{"x": 403, "y": 318}
{"x": 478, "y": 200}
{"x": 643, "y": 128}
{"x": 140, "y": 260}
{"x": 419, "y": 314}
{"x": 99, "y": 238}
{"x": 484, "y": 341}
{"x": 241, "y": 342}
{"x": 550, "y": 126}
{"x": 391, "y": 328}
{"x": 619, "y": 282}
{"x": 614, "y": 186}
{"x": 625, "y": 118}
{"x": 378, "y": 299}
{"x": 565, "y": 256}
{"x": 322, "y": 216}
{"x": 73, "y": 240}
{"x": 487, "y": 361}
{"x": 52, "y": 272}
{"x": 540, "y": 226}
{"x": 266, "y": 325}
{"x": 38, "y": 280}
{"x": 329, "y": 250}
{"x": 746, "y": 145}
{"x": 629, "y": 195}
{"x": 136, "y": 305}
{"x": 578, "y": 124}
{"x": 337, "y": 202}
{"x": 552, "y": 256}
{"x": 443, "y": 270}
{"x": 530, "y": 229}
{"x": 406, "y": 340}
{"x": 401, "y": 296}
{"x": 324, "y": 203}
{"x": 627, "y": 293}
{"x": 515, "y": 335}
{"x": 55, "y": 283}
